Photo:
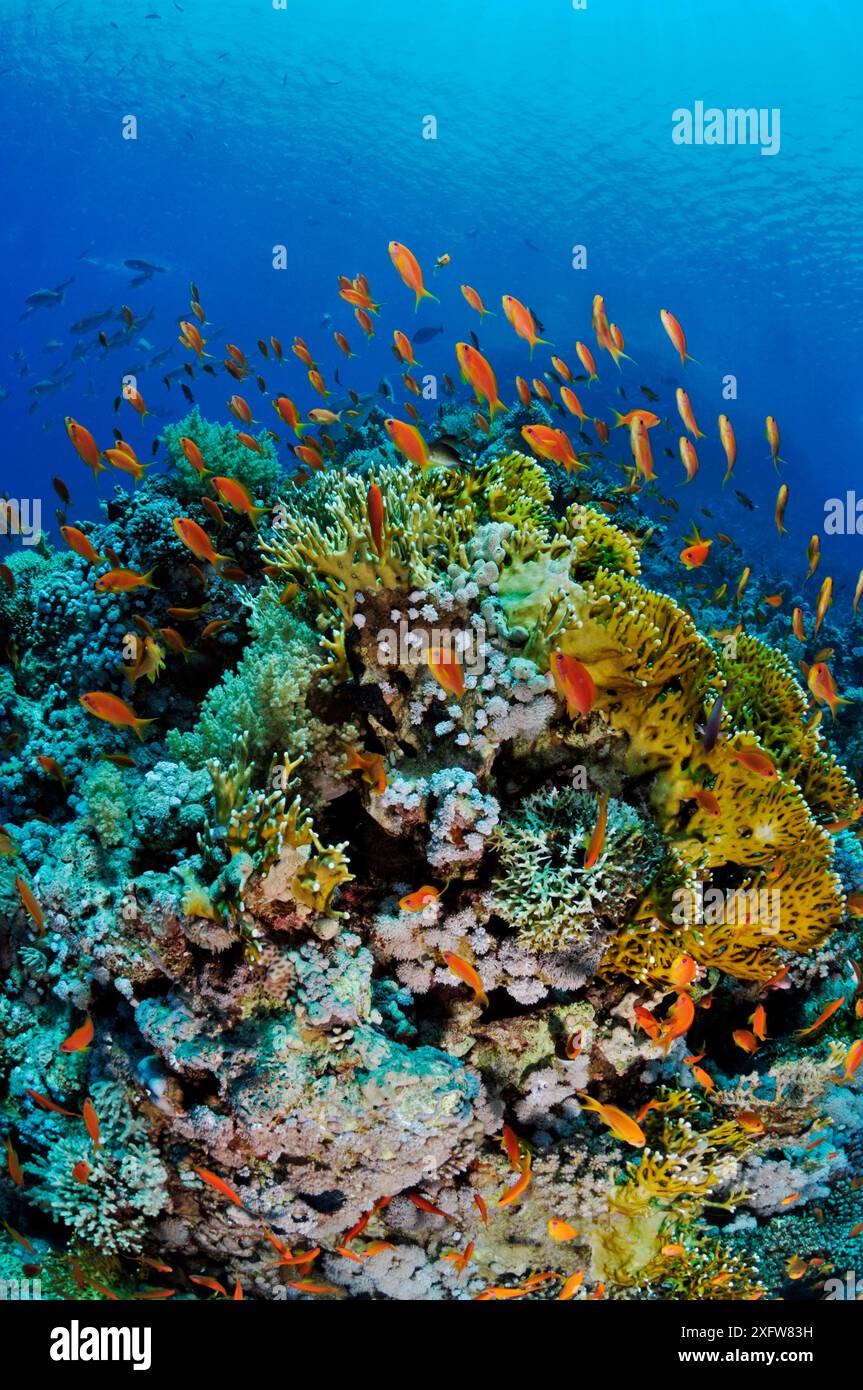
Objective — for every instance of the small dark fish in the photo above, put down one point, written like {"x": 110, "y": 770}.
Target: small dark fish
{"x": 187, "y": 393}
{"x": 710, "y": 731}
{"x": 62, "y": 491}
{"x": 144, "y": 266}
{"x": 474, "y": 339}
{"x": 262, "y": 385}
{"x": 209, "y": 369}
{"x": 744, "y": 500}
{"x": 705, "y": 511}
{"x": 385, "y": 389}
{"x": 537, "y": 320}
{"x": 425, "y": 335}
{"x": 651, "y": 395}
{"x": 189, "y": 370}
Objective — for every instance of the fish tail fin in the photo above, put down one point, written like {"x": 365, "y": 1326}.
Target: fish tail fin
{"x": 494, "y": 405}
{"x": 617, "y": 353}
{"x": 148, "y": 579}
{"x": 589, "y": 1102}
{"x": 425, "y": 294}
{"x": 255, "y": 514}
{"x": 139, "y": 724}
{"x": 619, "y": 420}
{"x": 699, "y": 434}
{"x": 687, "y": 357}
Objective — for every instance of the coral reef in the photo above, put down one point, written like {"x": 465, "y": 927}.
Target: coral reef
{"x": 424, "y": 919}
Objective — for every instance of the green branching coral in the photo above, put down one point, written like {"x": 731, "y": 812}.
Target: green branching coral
{"x": 542, "y": 888}
{"x": 323, "y": 541}
{"x": 126, "y": 1183}
{"x": 257, "y": 830}
{"x": 224, "y": 455}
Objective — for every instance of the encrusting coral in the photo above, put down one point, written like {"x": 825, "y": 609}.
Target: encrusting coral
{"x": 378, "y": 886}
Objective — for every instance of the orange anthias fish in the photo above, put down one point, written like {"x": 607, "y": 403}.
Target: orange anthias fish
{"x": 621, "y": 1125}
{"x": 81, "y": 544}
{"x": 46, "y": 1103}
{"x": 114, "y": 711}
{"x": 781, "y": 504}
{"x": 552, "y": 444}
{"x": 13, "y": 1163}
{"x": 447, "y": 671}
{"x": 213, "y": 1180}
{"x": 852, "y": 1061}
{"x": 759, "y": 1023}
{"x": 694, "y": 555}
{"x": 30, "y": 905}
{"x": 519, "y": 1187}
{"x": 91, "y": 1123}
{"x": 688, "y": 457}
{"x": 85, "y": 446}
{"x": 676, "y": 334}
{"x": 238, "y": 497}
{"x": 288, "y": 414}
{"x": 461, "y": 1261}
{"x": 571, "y": 1285}
{"x": 195, "y": 538}
{"x": 573, "y": 404}
{"x": 475, "y": 301}
{"x": 585, "y": 357}
{"x": 823, "y": 687}
{"x": 477, "y": 370}
{"x": 597, "y": 839}
{"x": 772, "y": 435}
{"x": 522, "y": 321}
{"x": 466, "y": 972}
{"x": 750, "y": 1121}
{"x": 420, "y": 898}
{"x": 707, "y": 801}
{"x": 408, "y": 268}
{"x": 574, "y": 684}
{"x": 120, "y": 581}
{"x": 828, "y": 1012}
{"x": 678, "y": 1023}
{"x": 685, "y": 411}
{"x": 745, "y": 1040}
{"x": 647, "y": 417}
{"x": 825, "y": 599}
{"x": 371, "y": 765}
{"x": 408, "y": 441}
{"x": 682, "y": 972}
{"x": 729, "y": 444}
{"x": 375, "y": 510}
{"x": 561, "y": 1231}
{"x": 80, "y": 1040}
{"x": 754, "y": 761}
{"x": 639, "y": 442}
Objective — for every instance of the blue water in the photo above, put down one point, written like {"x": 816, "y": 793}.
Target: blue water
{"x": 259, "y": 126}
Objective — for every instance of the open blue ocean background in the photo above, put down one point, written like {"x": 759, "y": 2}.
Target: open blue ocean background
{"x": 259, "y": 126}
